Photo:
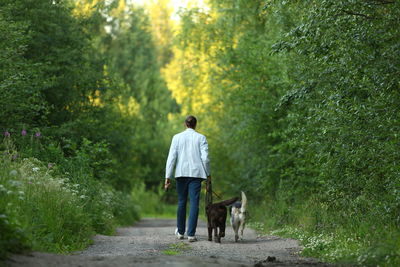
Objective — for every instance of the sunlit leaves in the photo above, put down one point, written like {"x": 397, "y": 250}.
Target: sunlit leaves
{"x": 308, "y": 102}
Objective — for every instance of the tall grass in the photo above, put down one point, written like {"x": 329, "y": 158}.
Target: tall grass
{"x": 155, "y": 204}
{"x": 324, "y": 234}
{"x": 46, "y": 209}
{"x": 161, "y": 204}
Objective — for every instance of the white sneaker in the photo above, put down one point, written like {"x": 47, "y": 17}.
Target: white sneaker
{"x": 192, "y": 238}
{"x": 178, "y": 235}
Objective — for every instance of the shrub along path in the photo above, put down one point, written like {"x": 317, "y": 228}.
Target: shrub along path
{"x": 151, "y": 242}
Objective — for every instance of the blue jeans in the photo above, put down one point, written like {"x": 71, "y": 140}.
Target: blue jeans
{"x": 192, "y": 187}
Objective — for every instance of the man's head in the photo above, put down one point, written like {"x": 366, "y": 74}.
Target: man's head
{"x": 191, "y": 122}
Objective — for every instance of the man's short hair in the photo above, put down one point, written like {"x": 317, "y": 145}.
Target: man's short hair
{"x": 191, "y": 121}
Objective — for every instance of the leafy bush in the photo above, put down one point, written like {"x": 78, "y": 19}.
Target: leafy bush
{"x": 12, "y": 238}
{"x": 301, "y": 103}
{"x": 49, "y": 209}
{"x": 150, "y": 203}
{"x": 80, "y": 121}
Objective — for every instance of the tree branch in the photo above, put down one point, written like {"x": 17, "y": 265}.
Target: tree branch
{"x": 357, "y": 14}
{"x": 382, "y": 2}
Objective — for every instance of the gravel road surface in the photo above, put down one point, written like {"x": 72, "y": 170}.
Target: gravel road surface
{"x": 151, "y": 242}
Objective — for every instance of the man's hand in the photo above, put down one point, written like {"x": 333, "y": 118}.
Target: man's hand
{"x": 208, "y": 183}
{"x": 167, "y": 184}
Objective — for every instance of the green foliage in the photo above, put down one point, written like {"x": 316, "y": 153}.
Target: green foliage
{"x": 143, "y": 85}
{"x": 307, "y": 96}
{"x": 299, "y": 100}
{"x": 176, "y": 249}
{"x": 56, "y": 208}
{"x": 67, "y": 75}
{"x": 82, "y": 114}
{"x": 152, "y": 203}
{"x": 20, "y": 82}
{"x": 12, "y": 238}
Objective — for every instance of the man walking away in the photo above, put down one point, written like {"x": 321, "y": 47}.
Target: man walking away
{"x": 188, "y": 155}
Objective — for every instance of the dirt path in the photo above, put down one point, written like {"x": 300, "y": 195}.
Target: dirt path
{"x": 151, "y": 242}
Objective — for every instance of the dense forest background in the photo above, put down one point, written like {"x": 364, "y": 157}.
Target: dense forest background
{"x": 299, "y": 101}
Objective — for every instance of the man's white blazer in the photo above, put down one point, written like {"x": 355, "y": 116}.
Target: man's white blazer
{"x": 189, "y": 155}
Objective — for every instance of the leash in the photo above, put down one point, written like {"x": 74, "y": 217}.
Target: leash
{"x": 210, "y": 193}
{"x": 209, "y": 197}
{"x": 219, "y": 197}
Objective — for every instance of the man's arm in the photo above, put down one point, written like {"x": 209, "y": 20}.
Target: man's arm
{"x": 204, "y": 155}
{"x": 167, "y": 184}
{"x": 171, "y": 160}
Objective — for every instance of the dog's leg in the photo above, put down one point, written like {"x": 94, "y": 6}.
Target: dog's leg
{"x": 236, "y": 235}
{"x": 209, "y": 228}
{"x": 242, "y": 224}
{"x": 222, "y": 231}
{"x": 235, "y": 227}
{"x": 216, "y": 236}
{"x": 210, "y": 233}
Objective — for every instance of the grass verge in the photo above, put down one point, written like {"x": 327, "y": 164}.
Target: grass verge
{"x": 43, "y": 210}
{"x": 357, "y": 241}
{"x": 176, "y": 248}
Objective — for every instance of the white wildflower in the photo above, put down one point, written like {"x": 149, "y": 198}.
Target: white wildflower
{"x": 35, "y": 169}
{"x": 15, "y": 183}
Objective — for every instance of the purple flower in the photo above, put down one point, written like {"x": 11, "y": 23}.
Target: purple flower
{"x": 23, "y": 132}
{"x": 7, "y": 134}
{"x": 14, "y": 157}
{"x": 50, "y": 165}
{"x": 37, "y": 134}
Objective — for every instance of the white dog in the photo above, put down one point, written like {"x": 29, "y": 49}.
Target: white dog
{"x": 238, "y": 217}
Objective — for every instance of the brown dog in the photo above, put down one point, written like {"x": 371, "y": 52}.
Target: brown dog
{"x": 216, "y": 218}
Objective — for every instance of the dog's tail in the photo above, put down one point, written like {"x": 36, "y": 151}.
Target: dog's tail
{"x": 244, "y": 203}
{"x": 227, "y": 202}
